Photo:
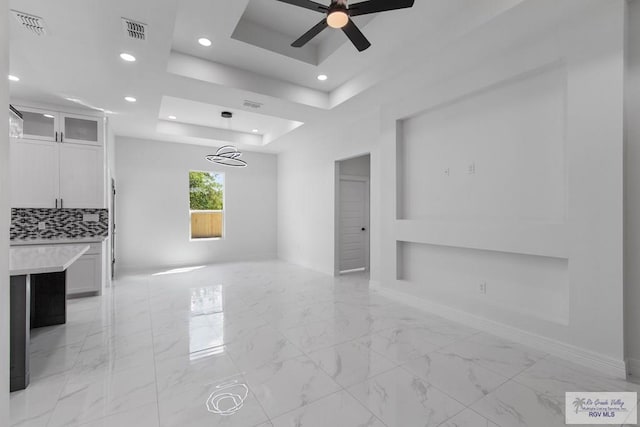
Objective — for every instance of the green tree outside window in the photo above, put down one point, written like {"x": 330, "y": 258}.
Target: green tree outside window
{"x": 206, "y": 191}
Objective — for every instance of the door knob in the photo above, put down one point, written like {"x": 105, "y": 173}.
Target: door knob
{"x": 364, "y": 229}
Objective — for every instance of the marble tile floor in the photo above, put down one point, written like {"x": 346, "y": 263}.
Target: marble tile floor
{"x": 270, "y": 344}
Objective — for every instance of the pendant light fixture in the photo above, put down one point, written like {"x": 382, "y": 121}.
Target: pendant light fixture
{"x": 227, "y": 156}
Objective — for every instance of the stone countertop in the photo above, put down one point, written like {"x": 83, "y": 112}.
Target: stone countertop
{"x": 57, "y": 241}
{"x": 36, "y": 259}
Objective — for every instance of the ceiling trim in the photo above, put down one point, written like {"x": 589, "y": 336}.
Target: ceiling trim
{"x": 213, "y": 134}
{"x": 261, "y": 36}
{"x": 224, "y": 75}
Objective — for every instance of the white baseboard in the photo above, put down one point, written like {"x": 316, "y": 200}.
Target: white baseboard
{"x": 123, "y": 270}
{"x": 590, "y": 359}
{"x": 633, "y": 368}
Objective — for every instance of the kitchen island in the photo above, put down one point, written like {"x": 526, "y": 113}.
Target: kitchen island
{"x": 38, "y": 297}
{"x": 87, "y": 276}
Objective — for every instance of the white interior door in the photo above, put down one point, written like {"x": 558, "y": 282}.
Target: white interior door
{"x": 353, "y": 225}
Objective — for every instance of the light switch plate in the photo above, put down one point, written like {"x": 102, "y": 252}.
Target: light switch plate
{"x": 90, "y": 217}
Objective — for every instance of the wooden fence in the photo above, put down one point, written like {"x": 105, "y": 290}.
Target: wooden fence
{"x": 206, "y": 224}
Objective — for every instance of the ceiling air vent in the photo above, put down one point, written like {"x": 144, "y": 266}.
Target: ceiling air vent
{"x": 252, "y": 104}
{"x": 31, "y": 23}
{"x": 134, "y": 29}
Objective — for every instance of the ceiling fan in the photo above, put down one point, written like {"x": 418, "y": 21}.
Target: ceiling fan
{"x": 339, "y": 16}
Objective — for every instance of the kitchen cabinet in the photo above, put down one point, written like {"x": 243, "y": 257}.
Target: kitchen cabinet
{"x": 34, "y": 173}
{"x": 85, "y": 275}
{"x": 59, "y": 163}
{"x": 38, "y": 124}
{"x": 47, "y": 125}
{"x": 47, "y": 174}
{"x": 78, "y": 129}
{"x": 81, "y": 176}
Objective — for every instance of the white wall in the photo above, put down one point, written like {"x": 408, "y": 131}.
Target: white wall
{"x": 306, "y": 189}
{"x": 542, "y": 121}
{"x": 491, "y": 158}
{"x": 632, "y": 191}
{"x": 152, "y": 213}
{"x": 455, "y": 157}
{"x": 4, "y": 217}
{"x": 539, "y": 220}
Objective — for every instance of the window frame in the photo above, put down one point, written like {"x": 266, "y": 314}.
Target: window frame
{"x": 223, "y": 210}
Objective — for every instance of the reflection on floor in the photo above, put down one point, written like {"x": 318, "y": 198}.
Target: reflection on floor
{"x": 271, "y": 344}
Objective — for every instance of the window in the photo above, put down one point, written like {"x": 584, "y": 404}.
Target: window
{"x": 206, "y": 204}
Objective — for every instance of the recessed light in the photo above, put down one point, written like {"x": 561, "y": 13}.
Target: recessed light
{"x": 255, "y": 131}
{"x": 14, "y": 78}
{"x": 49, "y": 116}
{"x": 322, "y": 77}
{"x": 172, "y": 117}
{"x": 130, "y": 99}
{"x": 204, "y": 41}
{"x": 127, "y": 57}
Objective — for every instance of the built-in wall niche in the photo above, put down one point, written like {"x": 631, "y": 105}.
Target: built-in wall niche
{"x": 480, "y": 280}
{"x": 497, "y": 154}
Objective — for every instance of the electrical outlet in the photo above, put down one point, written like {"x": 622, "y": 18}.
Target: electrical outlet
{"x": 90, "y": 217}
{"x": 471, "y": 169}
{"x": 447, "y": 171}
{"x": 483, "y": 288}
{"x": 42, "y": 225}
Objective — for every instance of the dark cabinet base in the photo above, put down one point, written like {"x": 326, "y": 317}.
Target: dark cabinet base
{"x": 19, "y": 340}
{"x": 37, "y": 300}
{"x": 48, "y": 299}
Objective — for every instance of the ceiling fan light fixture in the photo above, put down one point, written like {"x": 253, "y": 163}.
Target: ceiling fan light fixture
{"x": 337, "y": 18}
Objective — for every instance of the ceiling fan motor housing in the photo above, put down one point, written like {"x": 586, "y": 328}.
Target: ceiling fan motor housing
{"x": 338, "y": 15}
{"x": 338, "y": 6}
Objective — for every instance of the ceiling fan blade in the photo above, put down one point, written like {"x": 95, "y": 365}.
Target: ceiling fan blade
{"x": 307, "y": 4}
{"x": 374, "y": 6}
{"x": 306, "y": 37}
{"x": 355, "y": 35}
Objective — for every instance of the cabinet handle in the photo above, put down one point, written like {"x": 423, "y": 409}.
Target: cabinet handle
{"x": 56, "y": 203}
{"x": 56, "y": 141}
{"x": 61, "y": 136}
{"x": 61, "y": 203}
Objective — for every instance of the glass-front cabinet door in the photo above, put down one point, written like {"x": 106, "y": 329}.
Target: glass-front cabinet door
{"x": 39, "y": 124}
{"x": 81, "y": 129}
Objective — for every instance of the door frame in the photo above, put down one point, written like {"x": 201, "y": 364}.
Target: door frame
{"x": 112, "y": 230}
{"x": 367, "y": 213}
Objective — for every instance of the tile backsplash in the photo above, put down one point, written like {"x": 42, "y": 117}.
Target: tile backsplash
{"x": 58, "y": 223}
